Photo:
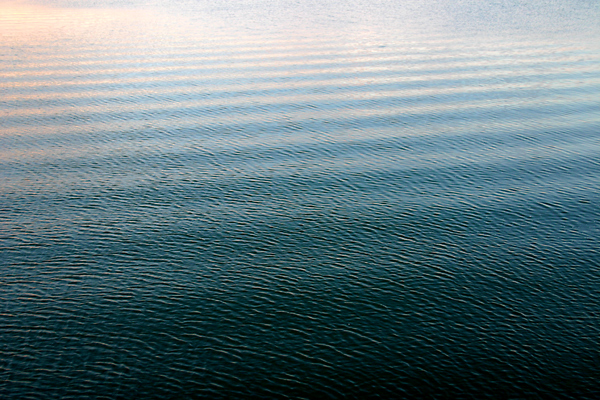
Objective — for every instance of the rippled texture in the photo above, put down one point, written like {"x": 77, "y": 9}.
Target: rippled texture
{"x": 300, "y": 199}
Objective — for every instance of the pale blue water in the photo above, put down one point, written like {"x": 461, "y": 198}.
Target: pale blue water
{"x": 300, "y": 199}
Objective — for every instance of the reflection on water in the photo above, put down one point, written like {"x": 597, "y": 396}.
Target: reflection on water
{"x": 299, "y": 199}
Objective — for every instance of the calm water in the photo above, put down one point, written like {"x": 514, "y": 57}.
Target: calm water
{"x": 270, "y": 199}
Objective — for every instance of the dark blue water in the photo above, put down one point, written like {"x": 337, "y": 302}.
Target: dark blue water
{"x": 274, "y": 199}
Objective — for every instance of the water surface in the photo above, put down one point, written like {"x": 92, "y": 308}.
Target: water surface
{"x": 299, "y": 199}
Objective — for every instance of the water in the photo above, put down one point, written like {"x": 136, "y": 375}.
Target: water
{"x": 299, "y": 199}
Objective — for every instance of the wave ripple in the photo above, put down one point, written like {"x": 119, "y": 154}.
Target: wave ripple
{"x": 291, "y": 200}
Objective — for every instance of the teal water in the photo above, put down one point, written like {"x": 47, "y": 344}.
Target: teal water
{"x": 274, "y": 199}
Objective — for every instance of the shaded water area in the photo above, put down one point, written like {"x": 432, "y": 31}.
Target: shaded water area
{"x": 299, "y": 199}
